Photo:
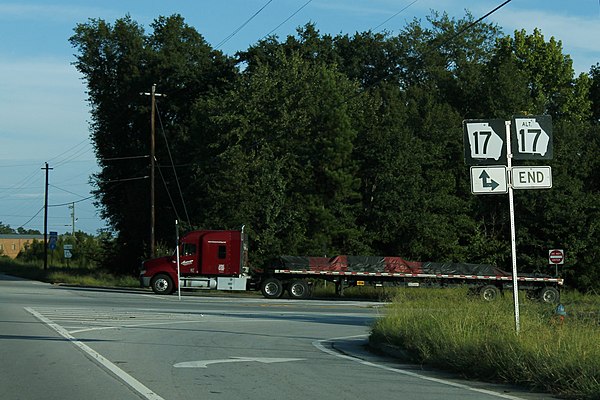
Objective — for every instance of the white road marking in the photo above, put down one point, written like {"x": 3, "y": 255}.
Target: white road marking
{"x": 319, "y": 345}
{"x": 78, "y": 320}
{"x": 97, "y": 357}
{"x": 206, "y": 363}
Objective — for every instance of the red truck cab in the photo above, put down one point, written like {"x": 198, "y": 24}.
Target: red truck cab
{"x": 207, "y": 260}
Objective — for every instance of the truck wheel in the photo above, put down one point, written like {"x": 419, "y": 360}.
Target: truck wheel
{"x": 272, "y": 288}
{"x": 162, "y": 284}
{"x": 549, "y": 295}
{"x": 298, "y": 289}
{"x": 489, "y": 293}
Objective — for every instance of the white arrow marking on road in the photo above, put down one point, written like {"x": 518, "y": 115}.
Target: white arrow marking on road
{"x": 205, "y": 364}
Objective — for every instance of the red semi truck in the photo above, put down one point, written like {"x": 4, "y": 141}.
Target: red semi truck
{"x": 218, "y": 259}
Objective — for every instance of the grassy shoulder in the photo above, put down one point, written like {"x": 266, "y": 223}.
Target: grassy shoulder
{"x": 67, "y": 275}
{"x": 447, "y": 329}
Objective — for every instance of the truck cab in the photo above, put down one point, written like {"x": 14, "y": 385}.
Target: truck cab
{"x": 207, "y": 260}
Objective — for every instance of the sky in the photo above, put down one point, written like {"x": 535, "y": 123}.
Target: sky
{"x": 44, "y": 116}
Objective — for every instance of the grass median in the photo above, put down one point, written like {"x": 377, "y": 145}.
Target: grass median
{"x": 448, "y": 329}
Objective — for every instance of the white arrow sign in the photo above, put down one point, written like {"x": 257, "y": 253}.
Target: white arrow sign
{"x": 488, "y": 180}
{"x": 206, "y": 363}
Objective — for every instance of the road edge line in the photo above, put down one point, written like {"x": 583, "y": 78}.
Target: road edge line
{"x": 130, "y": 381}
{"x": 319, "y": 345}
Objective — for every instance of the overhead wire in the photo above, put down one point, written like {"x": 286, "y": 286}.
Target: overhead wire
{"x": 70, "y": 202}
{"x": 290, "y": 17}
{"x": 446, "y": 41}
{"x": 65, "y": 190}
{"x": 241, "y": 26}
{"x": 31, "y": 219}
{"x": 173, "y": 166}
{"x": 394, "y": 16}
{"x": 65, "y": 157}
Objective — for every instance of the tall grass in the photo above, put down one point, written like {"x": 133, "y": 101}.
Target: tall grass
{"x": 447, "y": 329}
{"x": 69, "y": 275}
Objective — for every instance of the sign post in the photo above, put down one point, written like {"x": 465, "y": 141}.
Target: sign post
{"x": 513, "y": 241}
{"x": 556, "y": 257}
{"x": 490, "y": 147}
{"x": 178, "y": 261}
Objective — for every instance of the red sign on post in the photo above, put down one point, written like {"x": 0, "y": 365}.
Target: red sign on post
{"x": 556, "y": 256}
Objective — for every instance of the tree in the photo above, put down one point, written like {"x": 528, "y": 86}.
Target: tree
{"x": 6, "y": 228}
{"x": 119, "y": 62}
{"x": 282, "y": 158}
{"x": 595, "y": 92}
{"x": 325, "y": 144}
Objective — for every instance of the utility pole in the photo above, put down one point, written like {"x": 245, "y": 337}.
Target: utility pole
{"x": 46, "y": 218}
{"x": 153, "y": 96}
{"x": 72, "y": 207}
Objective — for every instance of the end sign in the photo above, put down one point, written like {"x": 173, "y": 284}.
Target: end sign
{"x": 532, "y": 177}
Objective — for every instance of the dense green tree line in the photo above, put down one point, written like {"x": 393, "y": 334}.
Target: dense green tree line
{"x": 325, "y": 145}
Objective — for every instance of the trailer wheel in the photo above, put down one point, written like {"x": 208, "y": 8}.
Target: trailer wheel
{"x": 489, "y": 293}
{"x": 272, "y": 288}
{"x": 549, "y": 295}
{"x": 162, "y": 284}
{"x": 298, "y": 289}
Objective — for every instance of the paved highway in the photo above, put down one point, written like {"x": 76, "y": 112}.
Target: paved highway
{"x": 69, "y": 343}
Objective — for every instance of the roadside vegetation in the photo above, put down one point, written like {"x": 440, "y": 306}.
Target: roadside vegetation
{"x": 450, "y": 330}
{"x": 64, "y": 274}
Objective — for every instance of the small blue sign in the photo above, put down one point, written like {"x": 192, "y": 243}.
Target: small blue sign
{"x": 52, "y": 240}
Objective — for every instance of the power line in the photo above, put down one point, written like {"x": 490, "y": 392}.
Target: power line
{"x": 70, "y": 202}
{"x": 446, "y": 41}
{"x": 241, "y": 26}
{"x": 31, "y": 219}
{"x": 65, "y": 190}
{"x": 394, "y": 16}
{"x": 69, "y": 149}
{"x": 174, "y": 170}
{"x": 290, "y": 17}
{"x": 125, "y": 158}
{"x": 127, "y": 179}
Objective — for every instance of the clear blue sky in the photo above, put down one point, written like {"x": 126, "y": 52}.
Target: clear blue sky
{"x": 43, "y": 111}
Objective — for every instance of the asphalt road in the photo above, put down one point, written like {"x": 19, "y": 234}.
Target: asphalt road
{"x": 70, "y": 343}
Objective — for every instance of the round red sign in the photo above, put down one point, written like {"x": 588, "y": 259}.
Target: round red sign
{"x": 556, "y": 256}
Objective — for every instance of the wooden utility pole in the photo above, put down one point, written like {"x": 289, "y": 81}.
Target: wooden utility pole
{"x": 46, "y": 218}
{"x": 153, "y": 96}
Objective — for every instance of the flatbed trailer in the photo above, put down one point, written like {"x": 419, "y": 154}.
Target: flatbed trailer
{"x": 218, "y": 260}
{"x": 348, "y": 271}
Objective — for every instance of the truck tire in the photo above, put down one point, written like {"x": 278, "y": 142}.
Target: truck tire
{"x": 162, "y": 284}
{"x": 489, "y": 293}
{"x": 549, "y": 295}
{"x": 298, "y": 289}
{"x": 272, "y": 288}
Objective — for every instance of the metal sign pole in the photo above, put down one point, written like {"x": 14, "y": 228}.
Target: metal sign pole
{"x": 513, "y": 242}
{"x": 178, "y": 264}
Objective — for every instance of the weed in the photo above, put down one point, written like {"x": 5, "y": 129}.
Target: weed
{"x": 448, "y": 329}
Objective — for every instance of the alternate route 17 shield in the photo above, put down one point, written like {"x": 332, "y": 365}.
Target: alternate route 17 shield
{"x": 531, "y": 138}
{"x": 489, "y": 180}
